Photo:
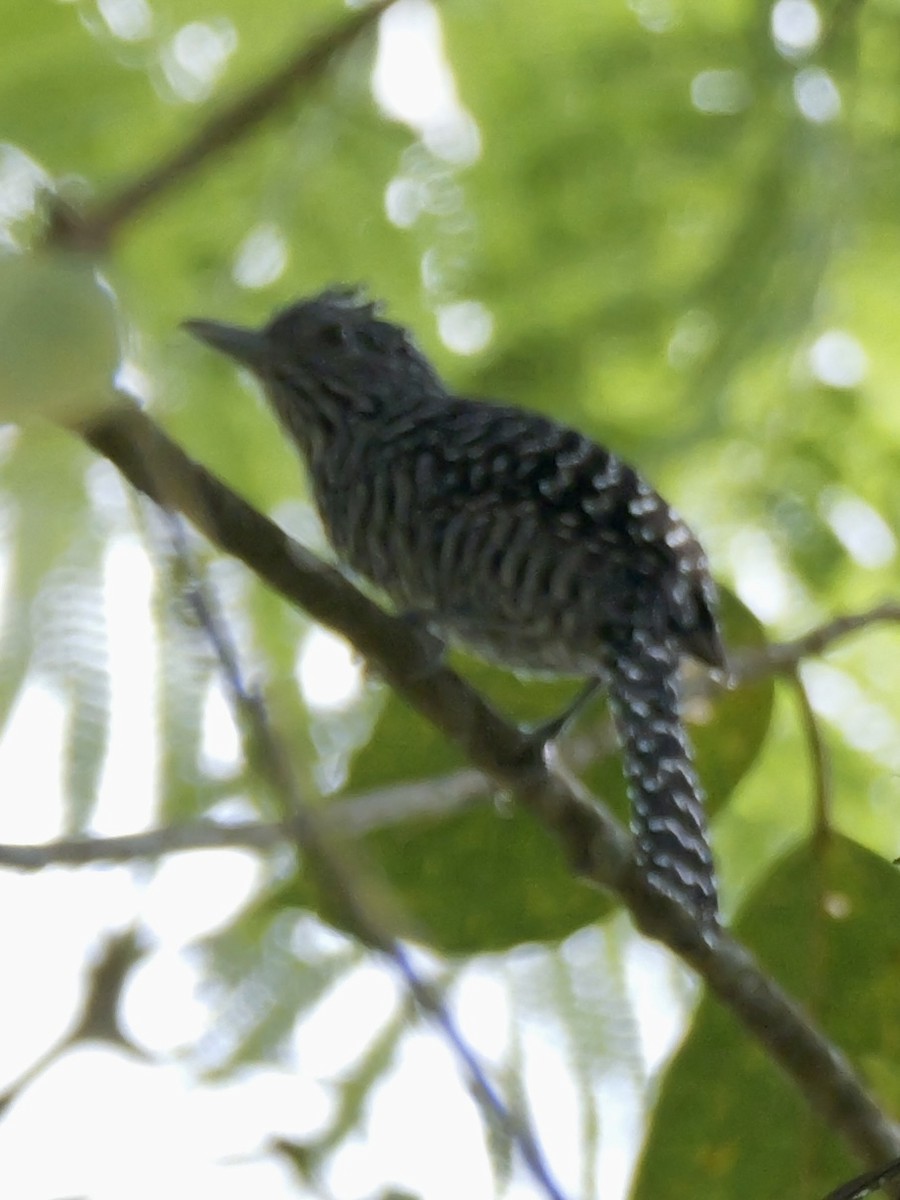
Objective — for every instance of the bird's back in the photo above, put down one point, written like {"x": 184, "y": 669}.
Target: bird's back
{"x": 513, "y": 534}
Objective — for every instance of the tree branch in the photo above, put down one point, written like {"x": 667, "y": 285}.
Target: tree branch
{"x": 94, "y": 230}
{"x": 349, "y": 816}
{"x": 865, "y": 1185}
{"x": 596, "y": 846}
{"x": 783, "y": 657}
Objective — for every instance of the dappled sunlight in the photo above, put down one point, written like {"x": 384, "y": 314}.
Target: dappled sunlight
{"x": 866, "y": 723}
{"x": 130, "y": 20}
{"x": 816, "y": 95}
{"x": 656, "y": 16}
{"x": 163, "y": 1010}
{"x": 262, "y": 257}
{"x": 221, "y": 748}
{"x": 22, "y": 180}
{"x": 413, "y": 82}
{"x": 127, "y": 795}
{"x": 862, "y": 531}
{"x": 693, "y": 338}
{"x": 328, "y": 671}
{"x": 196, "y": 56}
{"x": 761, "y": 578}
{"x": 466, "y": 327}
{"x": 838, "y": 359}
{"x": 176, "y": 913}
{"x": 796, "y": 27}
{"x": 722, "y": 92}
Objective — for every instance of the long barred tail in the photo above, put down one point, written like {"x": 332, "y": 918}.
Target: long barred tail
{"x": 667, "y": 801}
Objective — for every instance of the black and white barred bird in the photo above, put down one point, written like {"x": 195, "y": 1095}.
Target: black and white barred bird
{"x": 508, "y": 533}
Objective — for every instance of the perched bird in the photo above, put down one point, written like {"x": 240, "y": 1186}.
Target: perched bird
{"x": 507, "y": 533}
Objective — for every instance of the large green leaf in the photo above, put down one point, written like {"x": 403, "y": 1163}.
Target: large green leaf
{"x": 727, "y": 1122}
{"x": 482, "y": 878}
{"x": 440, "y": 866}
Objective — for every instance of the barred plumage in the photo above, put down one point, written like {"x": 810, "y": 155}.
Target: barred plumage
{"x": 508, "y": 533}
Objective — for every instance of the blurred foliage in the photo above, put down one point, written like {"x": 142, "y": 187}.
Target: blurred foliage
{"x": 669, "y": 223}
{"x": 824, "y": 925}
{"x": 441, "y": 866}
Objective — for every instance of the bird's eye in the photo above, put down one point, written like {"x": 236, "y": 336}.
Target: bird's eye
{"x": 333, "y": 335}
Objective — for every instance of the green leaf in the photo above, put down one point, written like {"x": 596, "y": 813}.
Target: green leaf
{"x": 355, "y": 1089}
{"x": 54, "y": 300}
{"x": 82, "y": 670}
{"x": 441, "y": 866}
{"x": 730, "y": 739}
{"x": 265, "y": 980}
{"x": 728, "y": 1123}
{"x": 54, "y": 619}
{"x": 43, "y": 491}
{"x": 186, "y": 674}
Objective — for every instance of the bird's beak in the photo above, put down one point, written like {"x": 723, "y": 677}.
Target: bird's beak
{"x": 246, "y": 346}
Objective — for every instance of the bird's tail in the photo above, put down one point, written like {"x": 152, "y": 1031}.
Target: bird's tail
{"x": 667, "y": 801}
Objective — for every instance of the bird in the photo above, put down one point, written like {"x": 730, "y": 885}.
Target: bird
{"x": 509, "y": 534}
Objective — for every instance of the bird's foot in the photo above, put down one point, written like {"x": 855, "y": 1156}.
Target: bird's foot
{"x": 547, "y": 733}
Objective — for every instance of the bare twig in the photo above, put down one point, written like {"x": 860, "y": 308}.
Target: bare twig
{"x": 782, "y": 658}
{"x": 818, "y": 753}
{"x": 349, "y": 816}
{"x": 865, "y": 1185}
{"x": 132, "y": 847}
{"x": 94, "y": 229}
{"x": 327, "y": 859}
{"x": 595, "y": 845}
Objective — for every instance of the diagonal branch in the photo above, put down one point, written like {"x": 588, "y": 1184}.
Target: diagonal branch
{"x": 865, "y": 1185}
{"x": 161, "y": 470}
{"x": 94, "y": 230}
{"x": 596, "y": 846}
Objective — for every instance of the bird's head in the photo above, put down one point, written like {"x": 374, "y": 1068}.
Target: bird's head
{"x": 331, "y": 349}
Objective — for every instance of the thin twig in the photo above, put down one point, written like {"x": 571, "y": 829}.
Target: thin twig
{"x": 595, "y": 845}
{"x": 335, "y": 874}
{"x": 94, "y": 229}
{"x": 783, "y": 657}
{"x": 818, "y": 753}
{"x": 350, "y": 816}
{"x": 865, "y": 1185}
{"x": 132, "y": 847}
